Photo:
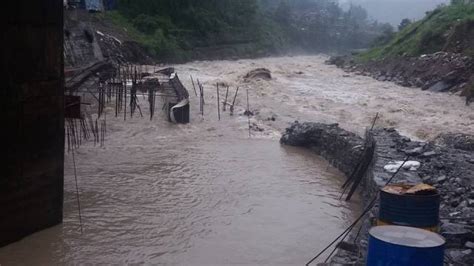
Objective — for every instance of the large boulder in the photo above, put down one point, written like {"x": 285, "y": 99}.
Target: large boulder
{"x": 259, "y": 73}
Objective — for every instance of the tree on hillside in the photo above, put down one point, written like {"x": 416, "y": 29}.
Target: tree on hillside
{"x": 283, "y": 13}
{"x": 404, "y": 23}
{"x": 460, "y": 2}
{"x": 387, "y": 34}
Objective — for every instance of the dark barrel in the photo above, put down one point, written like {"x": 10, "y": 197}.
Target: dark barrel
{"x": 409, "y": 209}
{"x": 402, "y": 245}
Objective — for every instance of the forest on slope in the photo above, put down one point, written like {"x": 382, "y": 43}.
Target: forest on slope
{"x": 448, "y": 28}
{"x": 182, "y": 30}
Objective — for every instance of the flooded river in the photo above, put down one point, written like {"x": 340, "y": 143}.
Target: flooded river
{"x": 304, "y": 88}
{"x": 199, "y": 194}
{"x": 208, "y": 194}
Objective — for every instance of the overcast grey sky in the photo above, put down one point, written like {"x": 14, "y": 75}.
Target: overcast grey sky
{"x": 393, "y": 11}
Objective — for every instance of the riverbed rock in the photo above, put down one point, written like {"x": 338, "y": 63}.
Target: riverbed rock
{"x": 457, "y": 141}
{"x": 415, "y": 151}
{"x": 469, "y": 244}
{"x": 460, "y": 257}
{"x": 259, "y": 73}
{"x": 429, "y": 154}
{"x": 441, "y": 179}
{"x": 440, "y": 86}
{"x": 456, "y": 234}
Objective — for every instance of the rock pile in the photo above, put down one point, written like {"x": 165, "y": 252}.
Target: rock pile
{"x": 457, "y": 141}
{"x": 444, "y": 166}
{"x": 438, "y": 72}
{"x": 123, "y": 51}
{"x": 340, "y": 147}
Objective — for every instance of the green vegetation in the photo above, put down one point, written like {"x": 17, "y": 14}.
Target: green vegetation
{"x": 447, "y": 28}
{"x": 145, "y": 31}
{"x": 180, "y": 30}
{"x": 177, "y": 30}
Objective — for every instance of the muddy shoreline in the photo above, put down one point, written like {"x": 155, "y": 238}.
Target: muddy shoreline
{"x": 447, "y": 165}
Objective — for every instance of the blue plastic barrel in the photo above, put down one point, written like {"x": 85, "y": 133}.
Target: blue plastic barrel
{"x": 409, "y": 210}
{"x": 392, "y": 245}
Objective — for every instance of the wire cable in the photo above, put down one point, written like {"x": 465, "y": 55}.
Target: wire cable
{"x": 369, "y": 207}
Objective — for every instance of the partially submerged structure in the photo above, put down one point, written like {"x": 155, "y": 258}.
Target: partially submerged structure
{"x": 175, "y": 96}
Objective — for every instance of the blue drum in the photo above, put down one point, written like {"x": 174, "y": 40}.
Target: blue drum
{"x": 391, "y": 245}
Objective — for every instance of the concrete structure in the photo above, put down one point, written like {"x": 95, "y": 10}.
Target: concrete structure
{"x": 31, "y": 182}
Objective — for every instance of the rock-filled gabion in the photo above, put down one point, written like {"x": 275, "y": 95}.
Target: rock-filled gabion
{"x": 443, "y": 165}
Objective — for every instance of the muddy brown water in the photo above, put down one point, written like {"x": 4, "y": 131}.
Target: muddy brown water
{"x": 304, "y": 88}
{"x": 199, "y": 194}
{"x": 206, "y": 193}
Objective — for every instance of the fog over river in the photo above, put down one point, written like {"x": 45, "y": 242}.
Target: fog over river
{"x": 207, "y": 194}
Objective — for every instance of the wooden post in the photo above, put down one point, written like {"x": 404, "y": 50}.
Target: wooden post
{"x": 194, "y": 87}
{"x": 125, "y": 101}
{"x": 202, "y": 100}
{"x": 202, "y": 92}
{"x": 218, "y": 103}
{"x": 233, "y": 102}
{"x": 200, "y": 96}
{"x": 248, "y": 111}
{"x": 225, "y": 101}
{"x": 374, "y": 121}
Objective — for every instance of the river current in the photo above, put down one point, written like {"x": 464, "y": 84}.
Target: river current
{"x": 208, "y": 194}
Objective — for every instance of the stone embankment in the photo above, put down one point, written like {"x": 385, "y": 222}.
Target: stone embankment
{"x": 439, "y": 72}
{"x": 446, "y": 163}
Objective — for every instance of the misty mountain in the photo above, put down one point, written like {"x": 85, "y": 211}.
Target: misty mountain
{"x": 393, "y": 11}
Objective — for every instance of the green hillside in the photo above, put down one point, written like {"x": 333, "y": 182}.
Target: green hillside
{"x": 447, "y": 28}
{"x": 182, "y": 30}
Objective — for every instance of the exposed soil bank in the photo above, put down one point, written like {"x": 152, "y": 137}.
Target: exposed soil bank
{"x": 438, "y": 72}
{"x": 90, "y": 39}
{"x": 443, "y": 164}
